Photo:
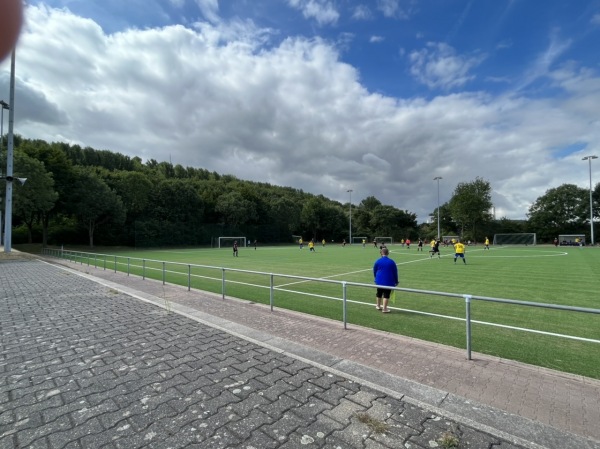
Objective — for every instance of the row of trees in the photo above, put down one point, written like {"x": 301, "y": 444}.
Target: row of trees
{"x": 80, "y": 195}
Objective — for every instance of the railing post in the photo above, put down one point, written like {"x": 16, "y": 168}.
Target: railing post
{"x": 189, "y": 277}
{"x": 271, "y": 292}
{"x": 223, "y": 283}
{"x": 128, "y": 265}
{"x": 115, "y": 264}
{"x": 163, "y": 272}
{"x": 468, "y": 321}
{"x": 345, "y": 303}
{"x": 143, "y": 269}
{"x": 105, "y": 262}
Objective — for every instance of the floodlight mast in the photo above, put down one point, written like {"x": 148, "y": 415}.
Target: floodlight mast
{"x": 9, "y": 160}
{"x": 589, "y": 159}
{"x": 3, "y": 105}
{"x": 350, "y": 227}
{"x": 437, "y": 178}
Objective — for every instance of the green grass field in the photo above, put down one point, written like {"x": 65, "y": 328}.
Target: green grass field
{"x": 542, "y": 274}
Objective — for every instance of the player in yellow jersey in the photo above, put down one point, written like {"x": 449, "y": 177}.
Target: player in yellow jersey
{"x": 459, "y": 251}
{"x": 487, "y": 244}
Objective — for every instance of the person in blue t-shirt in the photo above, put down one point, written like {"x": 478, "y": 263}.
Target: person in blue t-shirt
{"x": 385, "y": 272}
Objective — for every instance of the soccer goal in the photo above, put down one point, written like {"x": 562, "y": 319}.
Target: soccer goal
{"x": 359, "y": 239}
{"x": 571, "y": 239}
{"x": 521, "y": 238}
{"x": 227, "y": 242}
{"x": 296, "y": 238}
{"x": 449, "y": 238}
{"x": 389, "y": 240}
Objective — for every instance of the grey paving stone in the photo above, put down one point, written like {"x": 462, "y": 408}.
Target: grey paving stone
{"x": 89, "y": 367}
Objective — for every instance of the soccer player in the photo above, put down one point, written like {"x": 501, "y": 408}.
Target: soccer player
{"x": 301, "y": 243}
{"x": 311, "y": 246}
{"x": 323, "y": 243}
{"x": 364, "y": 242}
{"x": 435, "y": 248}
{"x": 420, "y": 245}
{"x": 487, "y": 244}
{"x": 459, "y": 251}
{"x": 235, "y": 249}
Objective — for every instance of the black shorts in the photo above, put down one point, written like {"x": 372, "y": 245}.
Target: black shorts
{"x": 383, "y": 293}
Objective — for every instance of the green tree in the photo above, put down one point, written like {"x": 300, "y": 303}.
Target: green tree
{"x": 234, "y": 209}
{"x": 37, "y": 196}
{"x": 470, "y": 205}
{"x": 95, "y": 204}
{"x": 561, "y": 209}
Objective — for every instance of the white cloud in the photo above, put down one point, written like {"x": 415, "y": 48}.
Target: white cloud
{"x": 438, "y": 66}
{"x": 323, "y": 11}
{"x": 375, "y": 39}
{"x": 542, "y": 65}
{"x": 596, "y": 19}
{"x": 294, "y": 114}
{"x": 362, "y": 12}
{"x": 209, "y": 9}
{"x": 391, "y": 8}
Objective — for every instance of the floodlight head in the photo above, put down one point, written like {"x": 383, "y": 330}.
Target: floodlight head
{"x": 4, "y": 104}
{"x": 12, "y": 178}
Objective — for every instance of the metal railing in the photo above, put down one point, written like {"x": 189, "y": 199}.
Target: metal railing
{"x": 104, "y": 259}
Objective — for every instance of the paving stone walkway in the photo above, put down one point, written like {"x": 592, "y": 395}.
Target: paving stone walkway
{"x": 86, "y": 364}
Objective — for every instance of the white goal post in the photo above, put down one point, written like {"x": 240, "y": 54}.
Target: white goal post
{"x": 359, "y": 239}
{"x": 571, "y": 239}
{"x": 227, "y": 242}
{"x": 519, "y": 238}
{"x": 389, "y": 240}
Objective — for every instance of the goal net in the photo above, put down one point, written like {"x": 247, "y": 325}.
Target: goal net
{"x": 384, "y": 240}
{"x": 571, "y": 239}
{"x": 227, "y": 242}
{"x": 450, "y": 238}
{"x": 359, "y": 239}
{"x": 522, "y": 238}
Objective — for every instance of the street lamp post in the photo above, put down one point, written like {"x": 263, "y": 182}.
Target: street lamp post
{"x": 9, "y": 161}
{"x": 437, "y": 178}
{"x": 3, "y": 105}
{"x": 589, "y": 159}
{"x": 350, "y": 228}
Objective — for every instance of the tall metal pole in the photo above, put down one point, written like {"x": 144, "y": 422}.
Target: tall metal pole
{"x": 3, "y": 105}
{"x": 589, "y": 159}
{"x": 9, "y": 161}
{"x": 437, "y": 178}
{"x": 350, "y": 192}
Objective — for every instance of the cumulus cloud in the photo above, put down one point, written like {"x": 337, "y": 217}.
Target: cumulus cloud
{"x": 438, "y": 66}
{"x": 323, "y": 11}
{"x": 375, "y": 39}
{"x": 294, "y": 114}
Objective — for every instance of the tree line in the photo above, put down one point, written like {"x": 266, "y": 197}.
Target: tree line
{"x": 76, "y": 195}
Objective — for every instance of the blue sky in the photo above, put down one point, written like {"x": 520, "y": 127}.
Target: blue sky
{"x": 376, "y": 96}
